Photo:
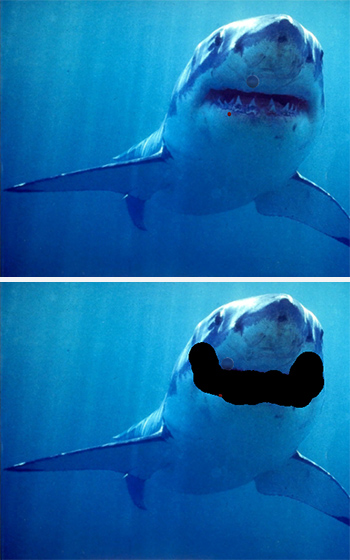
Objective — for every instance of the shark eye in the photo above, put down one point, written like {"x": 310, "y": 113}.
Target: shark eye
{"x": 321, "y": 55}
{"x": 321, "y": 335}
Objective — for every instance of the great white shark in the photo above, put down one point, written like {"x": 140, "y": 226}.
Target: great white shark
{"x": 198, "y": 443}
{"x": 243, "y": 116}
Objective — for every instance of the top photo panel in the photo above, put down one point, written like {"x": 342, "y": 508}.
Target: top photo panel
{"x": 158, "y": 138}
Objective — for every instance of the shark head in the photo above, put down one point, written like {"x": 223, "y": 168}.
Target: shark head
{"x": 267, "y": 68}
{"x": 256, "y": 83}
{"x": 260, "y": 333}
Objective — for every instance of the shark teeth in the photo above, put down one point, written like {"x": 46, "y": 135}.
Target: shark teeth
{"x": 240, "y": 102}
{"x": 252, "y": 108}
{"x": 235, "y": 105}
{"x": 272, "y": 106}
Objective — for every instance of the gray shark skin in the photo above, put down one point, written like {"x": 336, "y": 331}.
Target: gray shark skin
{"x": 243, "y": 116}
{"x": 198, "y": 443}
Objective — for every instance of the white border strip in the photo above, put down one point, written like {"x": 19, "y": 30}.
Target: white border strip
{"x": 176, "y": 279}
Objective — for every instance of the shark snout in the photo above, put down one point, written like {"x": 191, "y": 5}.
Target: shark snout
{"x": 284, "y": 324}
{"x": 285, "y": 310}
{"x": 279, "y": 49}
{"x": 283, "y": 31}
{"x": 273, "y": 335}
{"x": 286, "y": 31}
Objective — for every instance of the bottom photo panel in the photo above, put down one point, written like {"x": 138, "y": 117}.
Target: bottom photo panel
{"x": 175, "y": 420}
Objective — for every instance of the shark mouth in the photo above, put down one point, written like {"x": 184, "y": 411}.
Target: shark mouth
{"x": 255, "y": 104}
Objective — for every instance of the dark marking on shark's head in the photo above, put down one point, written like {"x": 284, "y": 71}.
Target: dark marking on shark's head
{"x": 173, "y": 386}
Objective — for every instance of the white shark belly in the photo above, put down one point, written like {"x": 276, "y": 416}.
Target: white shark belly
{"x": 220, "y": 446}
{"x": 220, "y": 172}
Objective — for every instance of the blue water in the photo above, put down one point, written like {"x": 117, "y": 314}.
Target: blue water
{"x": 82, "y": 362}
{"x": 83, "y": 81}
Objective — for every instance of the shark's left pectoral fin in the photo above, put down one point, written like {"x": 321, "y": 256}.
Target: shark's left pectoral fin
{"x": 303, "y": 480}
{"x": 305, "y": 202}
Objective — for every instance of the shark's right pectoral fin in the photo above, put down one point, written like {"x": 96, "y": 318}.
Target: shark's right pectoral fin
{"x": 141, "y": 456}
{"x": 137, "y": 458}
{"x": 305, "y": 202}
{"x": 137, "y": 174}
{"x": 303, "y": 480}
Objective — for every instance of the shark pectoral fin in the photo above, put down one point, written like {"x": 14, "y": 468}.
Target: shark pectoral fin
{"x": 141, "y": 456}
{"x": 138, "y": 174}
{"x": 139, "y": 453}
{"x": 305, "y": 202}
{"x": 137, "y": 184}
{"x": 303, "y": 480}
{"x": 111, "y": 177}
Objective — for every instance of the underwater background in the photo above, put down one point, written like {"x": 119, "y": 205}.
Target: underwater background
{"x": 84, "y": 361}
{"x": 84, "y": 81}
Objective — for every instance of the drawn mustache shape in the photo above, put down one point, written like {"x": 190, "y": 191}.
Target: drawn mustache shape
{"x": 303, "y": 383}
